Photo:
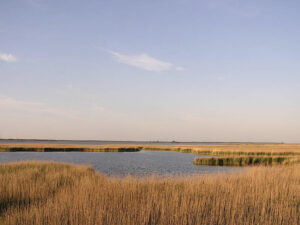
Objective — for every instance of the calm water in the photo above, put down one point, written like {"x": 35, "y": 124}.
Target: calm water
{"x": 124, "y": 163}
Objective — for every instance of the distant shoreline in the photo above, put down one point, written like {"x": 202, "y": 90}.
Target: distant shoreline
{"x": 106, "y": 142}
{"x": 206, "y": 149}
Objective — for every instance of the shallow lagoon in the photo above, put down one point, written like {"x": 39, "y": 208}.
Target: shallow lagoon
{"x": 124, "y": 163}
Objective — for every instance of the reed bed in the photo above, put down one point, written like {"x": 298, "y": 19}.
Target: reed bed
{"x": 55, "y": 193}
{"x": 228, "y": 149}
{"x": 232, "y": 149}
{"x": 244, "y": 161}
{"x": 65, "y": 148}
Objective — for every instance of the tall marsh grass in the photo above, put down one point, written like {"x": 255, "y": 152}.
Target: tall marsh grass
{"x": 242, "y": 161}
{"x": 229, "y": 149}
{"x": 64, "y": 148}
{"x": 54, "y": 193}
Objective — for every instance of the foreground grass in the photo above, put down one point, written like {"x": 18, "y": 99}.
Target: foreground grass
{"x": 54, "y": 193}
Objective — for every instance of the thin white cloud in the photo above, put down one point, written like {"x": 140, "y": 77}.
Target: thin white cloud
{"x": 145, "y": 62}
{"x": 179, "y": 68}
{"x": 7, "y": 57}
{"x": 35, "y": 107}
{"x": 223, "y": 78}
{"x": 97, "y": 108}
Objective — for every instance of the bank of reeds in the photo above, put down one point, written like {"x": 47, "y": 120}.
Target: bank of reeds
{"x": 248, "y": 153}
{"x": 59, "y": 148}
{"x": 244, "y": 161}
{"x": 53, "y": 193}
{"x": 233, "y": 149}
{"x": 218, "y": 150}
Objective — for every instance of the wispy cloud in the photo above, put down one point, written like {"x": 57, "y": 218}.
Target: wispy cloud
{"x": 145, "y": 62}
{"x": 7, "y": 57}
{"x": 97, "y": 108}
{"x": 223, "y": 78}
{"x": 36, "y": 107}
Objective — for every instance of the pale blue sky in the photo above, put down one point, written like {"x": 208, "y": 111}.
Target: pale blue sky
{"x": 185, "y": 70}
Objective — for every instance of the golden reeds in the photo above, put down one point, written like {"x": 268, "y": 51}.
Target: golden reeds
{"x": 245, "y": 161}
{"x": 227, "y": 149}
{"x": 54, "y": 193}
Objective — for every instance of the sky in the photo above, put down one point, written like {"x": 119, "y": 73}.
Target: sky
{"x": 184, "y": 70}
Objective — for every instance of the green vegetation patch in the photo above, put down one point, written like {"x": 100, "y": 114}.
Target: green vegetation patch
{"x": 246, "y": 153}
{"x": 68, "y": 149}
{"x": 242, "y": 161}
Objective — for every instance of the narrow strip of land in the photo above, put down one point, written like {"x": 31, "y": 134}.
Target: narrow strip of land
{"x": 224, "y": 155}
{"x": 230, "y": 149}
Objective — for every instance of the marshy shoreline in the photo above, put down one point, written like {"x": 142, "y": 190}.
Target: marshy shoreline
{"x": 34, "y": 192}
{"x": 223, "y": 155}
{"x": 224, "y": 149}
{"x": 246, "y": 161}
{"x": 43, "y": 192}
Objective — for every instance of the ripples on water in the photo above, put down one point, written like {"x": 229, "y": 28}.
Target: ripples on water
{"x": 124, "y": 163}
